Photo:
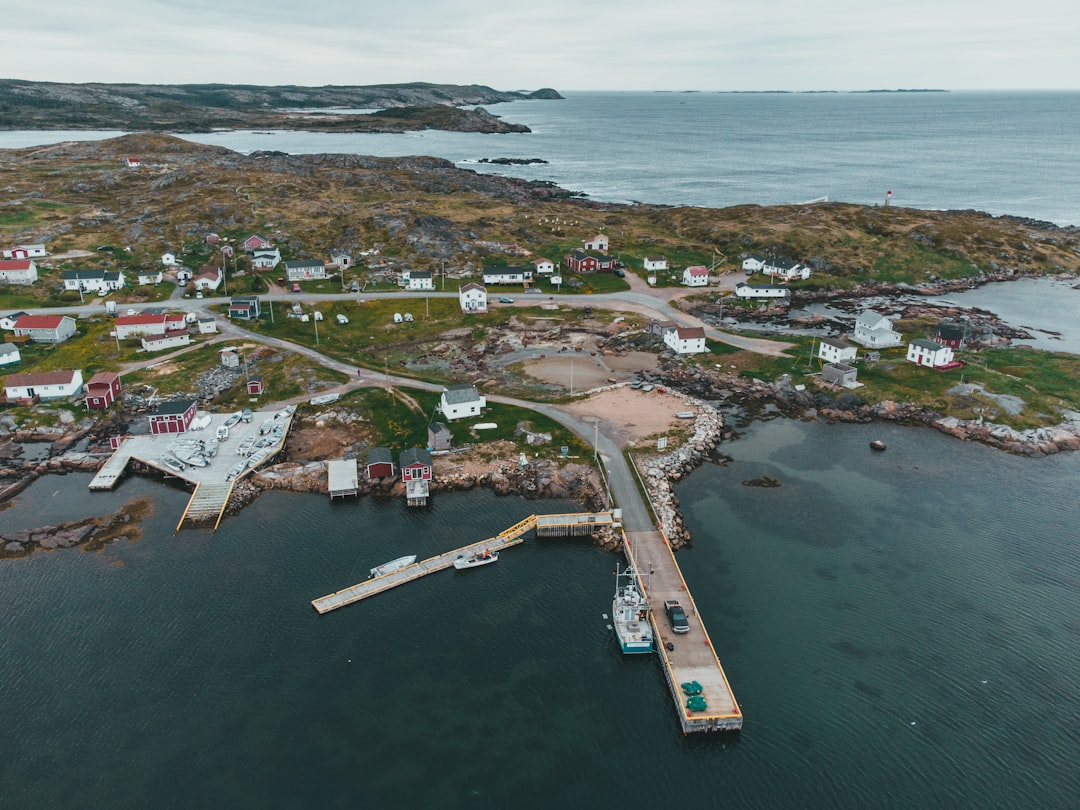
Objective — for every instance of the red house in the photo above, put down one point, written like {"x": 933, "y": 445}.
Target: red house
{"x": 255, "y": 242}
{"x": 255, "y": 385}
{"x": 380, "y": 463}
{"x": 102, "y": 390}
{"x": 173, "y": 417}
{"x": 416, "y": 464}
{"x": 581, "y": 262}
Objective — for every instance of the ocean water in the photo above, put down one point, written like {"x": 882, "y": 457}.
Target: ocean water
{"x": 901, "y": 630}
{"x": 1000, "y": 152}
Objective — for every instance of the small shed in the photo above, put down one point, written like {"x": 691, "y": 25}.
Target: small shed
{"x": 230, "y": 358}
{"x": 840, "y": 374}
{"x": 438, "y": 437}
{"x": 102, "y": 390}
{"x": 380, "y": 463}
{"x": 255, "y": 385}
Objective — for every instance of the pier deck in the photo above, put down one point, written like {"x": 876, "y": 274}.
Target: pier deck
{"x": 693, "y": 657}
{"x": 569, "y": 523}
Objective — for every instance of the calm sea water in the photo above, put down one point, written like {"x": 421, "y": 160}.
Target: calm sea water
{"x": 900, "y": 628}
{"x": 1005, "y": 153}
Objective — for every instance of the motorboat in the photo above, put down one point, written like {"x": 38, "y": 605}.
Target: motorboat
{"x": 477, "y": 558}
{"x": 630, "y": 614}
{"x": 393, "y": 565}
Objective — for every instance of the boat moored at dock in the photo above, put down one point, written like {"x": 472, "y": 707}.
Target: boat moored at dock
{"x": 476, "y": 559}
{"x": 393, "y": 565}
{"x": 630, "y": 615}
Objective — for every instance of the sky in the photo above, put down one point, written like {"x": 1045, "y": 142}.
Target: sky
{"x": 565, "y": 44}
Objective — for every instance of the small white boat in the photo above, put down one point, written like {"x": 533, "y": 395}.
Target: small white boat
{"x": 393, "y": 565}
{"x": 232, "y": 420}
{"x": 475, "y": 559}
{"x": 325, "y": 399}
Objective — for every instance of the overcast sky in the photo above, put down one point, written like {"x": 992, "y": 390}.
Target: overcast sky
{"x": 565, "y": 44}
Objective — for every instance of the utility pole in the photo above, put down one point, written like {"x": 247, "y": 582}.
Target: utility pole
{"x": 315, "y": 321}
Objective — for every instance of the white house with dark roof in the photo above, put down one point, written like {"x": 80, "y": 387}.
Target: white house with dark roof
{"x": 697, "y": 276}
{"x": 420, "y": 280}
{"x": 9, "y": 354}
{"x": 460, "y": 401}
{"x": 473, "y": 298}
{"x": 265, "y": 259}
{"x": 43, "y": 385}
{"x": 785, "y": 269}
{"x": 169, "y": 340}
{"x": 754, "y": 263}
{"x": 507, "y": 275}
{"x": 101, "y": 281}
{"x": 836, "y": 350}
{"x": 150, "y": 277}
{"x": 874, "y": 331}
{"x": 18, "y": 271}
{"x": 924, "y": 352}
{"x": 685, "y": 339}
{"x": 7, "y": 322}
{"x": 655, "y": 263}
{"x": 305, "y": 270}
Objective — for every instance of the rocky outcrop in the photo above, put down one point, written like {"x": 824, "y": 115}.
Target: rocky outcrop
{"x": 89, "y": 533}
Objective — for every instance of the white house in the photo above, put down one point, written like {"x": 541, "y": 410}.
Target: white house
{"x": 836, "y": 350}
{"x": 655, "y": 263}
{"x": 150, "y": 276}
{"x": 785, "y": 269}
{"x": 685, "y": 339}
{"x": 9, "y": 353}
{"x": 25, "y": 252}
{"x": 44, "y": 385}
{"x": 168, "y": 259}
{"x": 132, "y": 162}
{"x": 207, "y": 324}
{"x": 923, "y": 352}
{"x": 101, "y": 281}
{"x": 697, "y": 276}
{"x": 744, "y": 290}
{"x": 18, "y": 271}
{"x": 7, "y": 322}
{"x": 341, "y": 259}
{"x": 169, "y": 340}
{"x": 265, "y": 259}
{"x": 598, "y": 242}
{"x": 306, "y": 270}
{"x": 875, "y": 331}
{"x": 209, "y": 278}
{"x": 45, "y": 328}
{"x": 543, "y": 267}
{"x": 420, "y": 280}
{"x": 507, "y": 275}
{"x": 184, "y": 275}
{"x": 130, "y": 326}
{"x": 473, "y": 298}
{"x": 459, "y": 401}
{"x": 754, "y": 263}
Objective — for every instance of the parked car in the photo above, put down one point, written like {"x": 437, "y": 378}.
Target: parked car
{"x": 677, "y": 616}
{"x": 506, "y": 300}
{"x": 295, "y": 287}
{"x": 620, "y": 273}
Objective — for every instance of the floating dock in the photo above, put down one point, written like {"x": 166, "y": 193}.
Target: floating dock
{"x": 553, "y": 526}
{"x": 692, "y": 656}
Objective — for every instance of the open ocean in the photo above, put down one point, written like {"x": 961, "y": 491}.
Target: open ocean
{"x": 901, "y": 629}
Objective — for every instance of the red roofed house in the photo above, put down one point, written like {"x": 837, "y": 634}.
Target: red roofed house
{"x": 45, "y": 328}
{"x": 256, "y": 242}
{"x": 598, "y": 242}
{"x": 18, "y": 271}
{"x": 696, "y": 276}
{"x": 208, "y": 278}
{"x": 133, "y": 162}
{"x": 128, "y": 326}
{"x": 102, "y": 390}
{"x": 43, "y": 385}
{"x": 686, "y": 340}
{"x": 173, "y": 417}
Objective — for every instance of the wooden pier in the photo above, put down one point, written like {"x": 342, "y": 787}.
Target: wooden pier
{"x": 691, "y": 656}
{"x": 569, "y": 524}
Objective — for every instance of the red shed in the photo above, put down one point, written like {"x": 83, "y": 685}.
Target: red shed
{"x": 380, "y": 463}
{"x": 255, "y": 385}
{"x": 102, "y": 390}
{"x": 173, "y": 417}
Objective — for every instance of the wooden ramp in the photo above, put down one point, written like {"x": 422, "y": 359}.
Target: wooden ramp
{"x": 113, "y": 469}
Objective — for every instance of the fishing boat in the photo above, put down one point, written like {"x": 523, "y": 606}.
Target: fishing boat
{"x": 630, "y": 614}
{"x": 393, "y": 565}
{"x": 477, "y": 558}
{"x": 232, "y": 420}
{"x": 173, "y": 464}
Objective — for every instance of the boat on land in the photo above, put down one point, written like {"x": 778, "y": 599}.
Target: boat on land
{"x": 325, "y": 399}
{"x": 233, "y": 420}
{"x": 173, "y": 464}
{"x": 393, "y": 565}
{"x": 477, "y": 558}
{"x": 630, "y": 614}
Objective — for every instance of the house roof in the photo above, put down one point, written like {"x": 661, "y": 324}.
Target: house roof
{"x": 690, "y": 332}
{"x": 922, "y": 343}
{"x": 472, "y": 285}
{"x": 140, "y": 320}
{"x": 761, "y": 286}
{"x": 419, "y": 274}
{"x": 656, "y": 258}
{"x": 305, "y": 263}
{"x": 836, "y": 343}
{"x": 17, "y": 264}
{"x": 40, "y": 378}
{"x": 380, "y": 455}
{"x": 7, "y": 349}
{"x": 106, "y": 378}
{"x": 698, "y": 270}
{"x": 415, "y": 455}
{"x": 174, "y": 407}
{"x": 40, "y": 321}
{"x": 784, "y": 264}
{"x": 460, "y": 394}
{"x": 542, "y": 260}
{"x": 438, "y": 427}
